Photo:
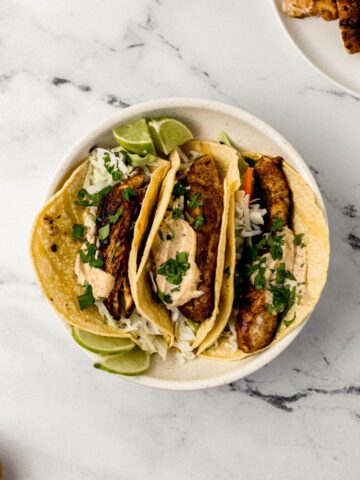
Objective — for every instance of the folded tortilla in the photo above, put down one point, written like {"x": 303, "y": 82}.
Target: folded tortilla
{"x": 308, "y": 218}
{"x": 54, "y": 251}
{"x": 226, "y": 160}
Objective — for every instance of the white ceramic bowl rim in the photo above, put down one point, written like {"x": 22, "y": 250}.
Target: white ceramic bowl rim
{"x": 74, "y": 157}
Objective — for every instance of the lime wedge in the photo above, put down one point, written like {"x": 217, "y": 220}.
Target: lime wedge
{"x": 135, "y": 362}
{"x": 168, "y": 133}
{"x": 135, "y": 137}
{"x": 101, "y": 345}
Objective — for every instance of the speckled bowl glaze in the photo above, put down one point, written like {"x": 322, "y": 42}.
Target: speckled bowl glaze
{"x": 206, "y": 118}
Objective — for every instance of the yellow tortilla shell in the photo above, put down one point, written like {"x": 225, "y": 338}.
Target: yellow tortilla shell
{"x": 54, "y": 251}
{"x": 309, "y": 219}
{"x": 226, "y": 161}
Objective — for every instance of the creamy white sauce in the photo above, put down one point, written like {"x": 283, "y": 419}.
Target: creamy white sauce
{"x": 178, "y": 236}
{"x": 101, "y": 282}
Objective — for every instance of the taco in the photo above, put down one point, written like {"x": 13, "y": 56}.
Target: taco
{"x": 180, "y": 276}
{"x": 278, "y": 254}
{"x": 89, "y": 237}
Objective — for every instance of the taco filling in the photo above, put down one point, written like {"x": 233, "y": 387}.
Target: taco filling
{"x": 185, "y": 250}
{"x": 270, "y": 277}
{"x": 112, "y": 197}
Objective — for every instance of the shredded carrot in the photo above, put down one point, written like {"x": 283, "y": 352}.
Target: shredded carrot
{"x": 248, "y": 182}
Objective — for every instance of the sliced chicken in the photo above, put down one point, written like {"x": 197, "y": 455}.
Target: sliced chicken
{"x": 115, "y": 248}
{"x": 327, "y": 9}
{"x": 349, "y": 14}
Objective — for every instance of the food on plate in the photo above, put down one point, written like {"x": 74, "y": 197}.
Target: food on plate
{"x": 347, "y": 11}
{"x": 278, "y": 259}
{"x": 180, "y": 277}
{"x": 166, "y": 244}
{"x": 349, "y": 15}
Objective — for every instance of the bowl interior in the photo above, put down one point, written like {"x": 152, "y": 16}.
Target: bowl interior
{"x": 206, "y": 119}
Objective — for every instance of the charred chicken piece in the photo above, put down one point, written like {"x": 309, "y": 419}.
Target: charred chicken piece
{"x": 115, "y": 248}
{"x": 349, "y": 14}
{"x": 255, "y": 327}
{"x": 274, "y": 189}
{"x": 327, "y": 9}
{"x": 205, "y": 205}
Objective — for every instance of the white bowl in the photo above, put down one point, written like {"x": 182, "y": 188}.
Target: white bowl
{"x": 206, "y": 118}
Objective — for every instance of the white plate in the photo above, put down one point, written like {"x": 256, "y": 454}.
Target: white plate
{"x": 321, "y": 44}
{"x": 206, "y": 118}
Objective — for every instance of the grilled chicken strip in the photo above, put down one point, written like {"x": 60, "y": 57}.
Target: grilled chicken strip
{"x": 205, "y": 182}
{"x": 115, "y": 248}
{"x": 327, "y": 9}
{"x": 274, "y": 188}
{"x": 349, "y": 14}
{"x": 255, "y": 326}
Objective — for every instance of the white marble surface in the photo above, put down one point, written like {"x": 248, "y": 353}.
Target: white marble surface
{"x": 65, "y": 66}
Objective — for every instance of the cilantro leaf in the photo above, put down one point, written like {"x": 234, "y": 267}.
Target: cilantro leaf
{"x": 175, "y": 268}
{"x": 113, "y": 253}
{"x": 282, "y": 274}
{"x": 298, "y": 240}
{"x": 87, "y": 298}
{"x": 78, "y": 231}
{"x": 129, "y": 194}
{"x": 198, "y": 221}
{"x": 275, "y": 244}
{"x": 104, "y": 232}
{"x": 194, "y": 201}
{"x": 277, "y": 224}
{"x": 287, "y": 323}
{"x": 114, "y": 218}
{"x": 176, "y": 213}
{"x": 88, "y": 200}
{"x": 88, "y": 256}
{"x": 179, "y": 190}
{"x": 164, "y": 297}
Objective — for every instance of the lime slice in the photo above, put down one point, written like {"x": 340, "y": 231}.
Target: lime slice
{"x": 135, "y": 137}
{"x": 168, "y": 133}
{"x": 101, "y": 345}
{"x": 135, "y": 362}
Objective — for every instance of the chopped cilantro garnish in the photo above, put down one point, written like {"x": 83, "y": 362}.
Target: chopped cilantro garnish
{"x": 88, "y": 200}
{"x": 116, "y": 174}
{"x": 194, "y": 201}
{"x": 298, "y": 240}
{"x": 275, "y": 244}
{"x": 259, "y": 279}
{"x": 282, "y": 274}
{"x": 113, "y": 253}
{"x": 277, "y": 224}
{"x": 88, "y": 256}
{"x": 129, "y": 193}
{"x": 87, "y": 298}
{"x": 179, "y": 190}
{"x": 287, "y": 323}
{"x": 175, "y": 268}
{"x": 198, "y": 221}
{"x": 114, "y": 218}
{"x": 283, "y": 299}
{"x": 164, "y": 297}
{"x": 104, "y": 232}
{"x": 176, "y": 213}
{"x": 78, "y": 231}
